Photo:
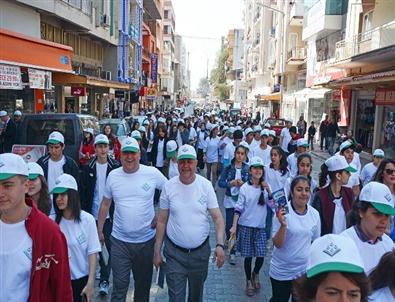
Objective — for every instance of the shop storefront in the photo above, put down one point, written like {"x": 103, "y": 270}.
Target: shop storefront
{"x": 385, "y": 102}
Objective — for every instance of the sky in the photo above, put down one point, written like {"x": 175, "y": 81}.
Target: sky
{"x": 196, "y": 19}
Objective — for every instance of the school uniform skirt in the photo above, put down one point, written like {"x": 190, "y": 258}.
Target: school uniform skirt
{"x": 251, "y": 242}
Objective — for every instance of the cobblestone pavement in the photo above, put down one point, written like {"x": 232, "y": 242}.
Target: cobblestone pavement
{"x": 228, "y": 283}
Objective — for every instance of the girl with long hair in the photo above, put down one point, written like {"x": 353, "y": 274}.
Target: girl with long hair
{"x": 347, "y": 149}
{"x": 382, "y": 279}
{"x": 87, "y": 149}
{"x": 158, "y": 152}
{"x": 115, "y": 144}
{"x": 201, "y": 144}
{"x": 276, "y": 173}
{"x": 38, "y": 188}
{"x": 211, "y": 150}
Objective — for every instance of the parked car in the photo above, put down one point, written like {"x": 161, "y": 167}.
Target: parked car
{"x": 35, "y": 129}
{"x": 276, "y": 124}
{"x": 120, "y": 127}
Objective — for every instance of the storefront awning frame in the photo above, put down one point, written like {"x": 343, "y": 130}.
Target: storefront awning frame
{"x": 83, "y": 80}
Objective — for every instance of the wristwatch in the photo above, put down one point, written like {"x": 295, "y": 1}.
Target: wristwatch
{"x": 220, "y": 245}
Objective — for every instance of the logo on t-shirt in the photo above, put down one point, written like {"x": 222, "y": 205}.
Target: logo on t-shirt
{"x": 202, "y": 200}
{"x": 332, "y": 249}
{"x": 1, "y": 164}
{"x": 28, "y": 253}
{"x": 146, "y": 187}
{"x": 81, "y": 239}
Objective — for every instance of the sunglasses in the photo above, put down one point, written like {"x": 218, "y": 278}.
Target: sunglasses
{"x": 389, "y": 171}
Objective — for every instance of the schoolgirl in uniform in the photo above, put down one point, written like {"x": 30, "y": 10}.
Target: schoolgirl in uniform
{"x": 38, "y": 188}
{"x": 276, "y": 173}
{"x": 79, "y": 228}
{"x": 347, "y": 150}
{"x": 249, "y": 222}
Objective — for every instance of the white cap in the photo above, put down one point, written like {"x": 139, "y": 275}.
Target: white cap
{"x": 338, "y": 163}
{"x": 239, "y": 122}
{"x": 101, "y": 139}
{"x": 3, "y": 113}
{"x": 248, "y": 131}
{"x": 245, "y": 145}
{"x": 12, "y": 165}
{"x": 256, "y": 161}
{"x": 17, "y": 113}
{"x": 225, "y": 128}
{"x": 145, "y": 122}
{"x": 272, "y": 133}
{"x": 379, "y": 153}
{"x": 301, "y": 142}
{"x": 89, "y": 130}
{"x": 186, "y": 152}
{"x": 267, "y": 125}
{"x": 136, "y": 135}
{"x": 162, "y": 120}
{"x": 345, "y": 145}
{"x": 34, "y": 170}
{"x": 257, "y": 128}
{"x": 237, "y": 128}
{"x": 289, "y": 120}
{"x": 334, "y": 253}
{"x": 55, "y": 138}
{"x": 265, "y": 132}
{"x": 171, "y": 148}
{"x": 231, "y": 130}
{"x": 142, "y": 129}
{"x": 379, "y": 195}
{"x": 129, "y": 144}
{"x": 63, "y": 183}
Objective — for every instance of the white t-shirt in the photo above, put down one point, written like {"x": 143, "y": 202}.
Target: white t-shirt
{"x": 55, "y": 169}
{"x": 292, "y": 160}
{"x": 173, "y": 169}
{"x": 132, "y": 194}
{"x": 159, "y": 155}
{"x": 289, "y": 262}
{"x": 192, "y": 133}
{"x": 211, "y": 149}
{"x": 15, "y": 262}
{"x": 252, "y": 214}
{"x": 222, "y": 145}
{"x": 188, "y": 225}
{"x": 275, "y": 178}
{"x": 339, "y": 217}
{"x": 255, "y": 143}
{"x": 201, "y": 141}
{"x": 82, "y": 241}
{"x": 353, "y": 180}
{"x": 101, "y": 174}
{"x": 382, "y": 295}
{"x": 264, "y": 154}
{"x": 286, "y": 138}
{"x": 367, "y": 173}
{"x": 370, "y": 253}
{"x": 229, "y": 153}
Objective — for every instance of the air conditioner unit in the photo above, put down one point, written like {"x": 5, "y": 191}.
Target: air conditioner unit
{"x": 105, "y": 74}
{"x": 105, "y": 21}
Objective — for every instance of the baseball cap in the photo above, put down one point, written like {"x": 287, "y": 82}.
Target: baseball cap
{"x": 267, "y": 125}
{"x": 256, "y": 162}
{"x": 89, "y": 130}
{"x": 101, "y": 139}
{"x": 171, "y": 148}
{"x": 337, "y": 163}
{"x": 63, "y": 183}
{"x": 248, "y": 131}
{"x": 272, "y": 133}
{"x": 17, "y": 113}
{"x": 245, "y": 145}
{"x": 130, "y": 144}
{"x": 161, "y": 120}
{"x": 379, "y": 153}
{"x": 12, "y": 165}
{"x": 136, "y": 135}
{"x": 239, "y": 122}
{"x": 301, "y": 142}
{"x": 379, "y": 195}
{"x": 257, "y": 128}
{"x": 55, "y": 138}
{"x": 186, "y": 152}
{"x": 265, "y": 132}
{"x": 3, "y": 113}
{"x": 34, "y": 170}
{"x": 345, "y": 145}
{"x": 334, "y": 253}
{"x": 142, "y": 129}
{"x": 231, "y": 130}
{"x": 226, "y": 128}
{"x": 145, "y": 122}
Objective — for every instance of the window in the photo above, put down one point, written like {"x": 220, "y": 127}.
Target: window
{"x": 293, "y": 40}
{"x": 166, "y": 14}
{"x": 166, "y": 29}
{"x": 367, "y": 21}
{"x": 39, "y": 130}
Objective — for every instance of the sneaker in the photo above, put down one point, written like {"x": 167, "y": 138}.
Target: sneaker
{"x": 232, "y": 259}
{"x": 103, "y": 288}
{"x": 250, "y": 290}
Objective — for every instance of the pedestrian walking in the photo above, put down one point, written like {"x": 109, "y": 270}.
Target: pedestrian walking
{"x": 385, "y": 174}
{"x": 382, "y": 279}
{"x": 370, "y": 169}
{"x": 249, "y": 136}
{"x": 211, "y": 154}
{"x": 293, "y": 233}
{"x": 257, "y": 137}
{"x": 332, "y": 129}
{"x": 33, "y": 251}
{"x": 292, "y": 145}
{"x": 183, "y": 225}
{"x": 18, "y": 122}
{"x": 201, "y": 144}
{"x": 263, "y": 149}
{"x": 285, "y": 136}
{"x": 8, "y": 134}
{"x": 347, "y": 150}
{"x": 372, "y": 212}
{"x": 310, "y": 135}
{"x": 143, "y": 157}
{"x": 133, "y": 233}
{"x": 38, "y": 188}
{"x": 79, "y": 228}
{"x": 171, "y": 155}
{"x": 276, "y": 173}
{"x": 333, "y": 200}
{"x": 302, "y": 126}
{"x": 115, "y": 144}
{"x": 231, "y": 146}
{"x": 301, "y": 147}
{"x": 87, "y": 149}
{"x": 231, "y": 179}
{"x": 273, "y": 140}
{"x": 94, "y": 178}
{"x": 334, "y": 272}
{"x": 323, "y": 128}
{"x": 249, "y": 223}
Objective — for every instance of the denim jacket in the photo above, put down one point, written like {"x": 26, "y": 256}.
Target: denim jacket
{"x": 229, "y": 173}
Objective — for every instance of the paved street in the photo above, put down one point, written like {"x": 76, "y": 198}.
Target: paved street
{"x": 228, "y": 283}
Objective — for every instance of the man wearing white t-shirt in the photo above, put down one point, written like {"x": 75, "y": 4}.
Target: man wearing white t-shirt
{"x": 263, "y": 150}
{"x": 370, "y": 169}
{"x": 131, "y": 188}
{"x": 285, "y": 137}
{"x": 185, "y": 223}
{"x": 301, "y": 146}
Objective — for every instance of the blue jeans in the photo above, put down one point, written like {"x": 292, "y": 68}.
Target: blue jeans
{"x": 331, "y": 144}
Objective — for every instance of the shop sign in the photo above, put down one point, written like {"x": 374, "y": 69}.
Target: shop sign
{"x": 40, "y": 79}
{"x": 10, "y": 77}
{"x": 30, "y": 153}
{"x": 336, "y": 95}
{"x": 385, "y": 96}
{"x": 78, "y": 91}
{"x": 120, "y": 94}
{"x": 150, "y": 93}
{"x": 154, "y": 67}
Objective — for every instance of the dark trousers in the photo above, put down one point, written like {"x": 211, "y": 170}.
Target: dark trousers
{"x": 281, "y": 290}
{"x": 311, "y": 142}
{"x": 229, "y": 212}
{"x": 136, "y": 257}
{"x": 78, "y": 285}
{"x": 182, "y": 267}
{"x": 105, "y": 268}
{"x": 322, "y": 140}
{"x": 200, "y": 155}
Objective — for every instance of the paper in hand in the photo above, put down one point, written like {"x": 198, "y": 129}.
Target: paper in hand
{"x": 280, "y": 201}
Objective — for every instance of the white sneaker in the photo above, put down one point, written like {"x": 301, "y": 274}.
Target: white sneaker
{"x": 103, "y": 288}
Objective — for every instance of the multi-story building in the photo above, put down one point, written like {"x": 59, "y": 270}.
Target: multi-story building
{"x": 181, "y": 72}
{"x": 168, "y": 57}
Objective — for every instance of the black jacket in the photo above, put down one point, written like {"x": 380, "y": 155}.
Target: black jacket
{"x": 70, "y": 167}
{"x": 89, "y": 182}
{"x": 8, "y": 136}
{"x": 154, "y": 151}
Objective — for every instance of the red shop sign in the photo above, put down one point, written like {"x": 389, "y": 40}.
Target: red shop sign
{"x": 385, "y": 96}
{"x": 78, "y": 91}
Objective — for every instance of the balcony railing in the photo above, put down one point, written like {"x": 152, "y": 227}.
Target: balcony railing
{"x": 379, "y": 37}
{"x": 297, "y": 53}
{"x": 84, "y": 5}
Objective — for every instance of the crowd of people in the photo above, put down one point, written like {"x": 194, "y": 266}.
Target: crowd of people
{"x": 333, "y": 237}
